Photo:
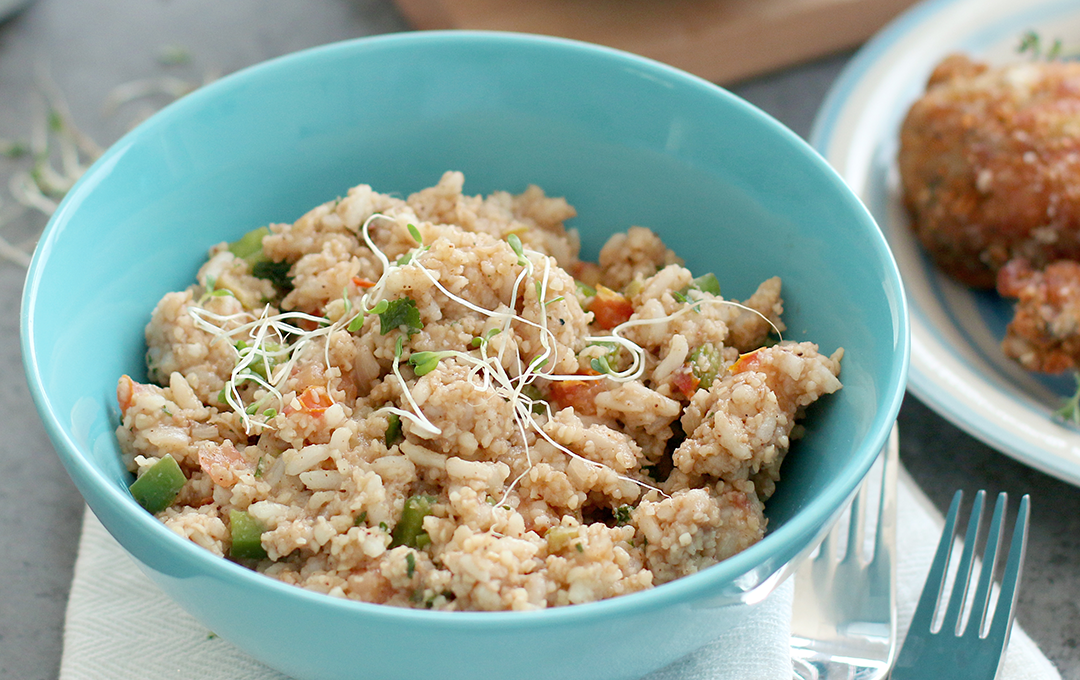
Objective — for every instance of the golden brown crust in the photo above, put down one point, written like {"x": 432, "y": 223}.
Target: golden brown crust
{"x": 990, "y": 166}
{"x": 1044, "y": 334}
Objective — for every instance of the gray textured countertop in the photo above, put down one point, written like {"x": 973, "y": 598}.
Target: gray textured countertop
{"x": 89, "y": 47}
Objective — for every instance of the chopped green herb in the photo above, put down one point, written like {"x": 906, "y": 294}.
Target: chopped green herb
{"x": 246, "y": 533}
{"x": 156, "y": 488}
{"x": 166, "y": 411}
{"x": 400, "y": 313}
{"x": 622, "y": 515}
{"x": 1032, "y": 42}
{"x": 259, "y": 467}
{"x": 411, "y": 524}
{"x": 211, "y": 636}
{"x": 410, "y": 565}
{"x": 393, "y": 430}
{"x": 1070, "y": 408}
{"x": 360, "y": 519}
{"x": 383, "y": 526}
{"x": 276, "y": 273}
{"x": 249, "y": 248}
{"x": 579, "y": 547}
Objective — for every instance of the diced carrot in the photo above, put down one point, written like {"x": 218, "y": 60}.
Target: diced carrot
{"x": 126, "y": 389}
{"x": 610, "y": 308}
{"x": 746, "y": 362}
{"x": 581, "y": 394}
{"x": 685, "y": 381}
{"x": 221, "y": 462}
{"x": 314, "y": 400}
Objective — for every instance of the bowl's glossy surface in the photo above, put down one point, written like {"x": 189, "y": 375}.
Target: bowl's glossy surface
{"x": 625, "y": 140}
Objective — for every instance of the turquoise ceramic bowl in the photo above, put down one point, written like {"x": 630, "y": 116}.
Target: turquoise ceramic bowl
{"x": 627, "y": 141}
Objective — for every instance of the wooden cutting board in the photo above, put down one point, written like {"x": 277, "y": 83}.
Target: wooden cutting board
{"x": 720, "y": 40}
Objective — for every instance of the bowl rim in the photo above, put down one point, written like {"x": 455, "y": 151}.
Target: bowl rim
{"x": 811, "y": 520}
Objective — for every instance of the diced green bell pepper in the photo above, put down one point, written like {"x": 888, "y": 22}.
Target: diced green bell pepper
{"x": 156, "y": 488}
{"x": 246, "y": 532}
{"x": 410, "y": 528}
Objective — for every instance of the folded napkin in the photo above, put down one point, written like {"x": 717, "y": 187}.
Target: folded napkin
{"x": 116, "y": 615}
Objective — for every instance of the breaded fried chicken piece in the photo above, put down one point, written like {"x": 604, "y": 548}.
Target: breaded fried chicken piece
{"x": 990, "y": 166}
{"x": 1044, "y": 334}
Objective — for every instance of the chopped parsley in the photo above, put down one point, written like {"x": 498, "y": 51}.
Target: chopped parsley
{"x": 1070, "y": 408}
{"x": 399, "y": 314}
{"x": 276, "y": 273}
{"x": 1031, "y": 42}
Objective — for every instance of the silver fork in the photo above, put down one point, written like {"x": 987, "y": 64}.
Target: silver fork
{"x": 843, "y": 622}
{"x": 971, "y": 645}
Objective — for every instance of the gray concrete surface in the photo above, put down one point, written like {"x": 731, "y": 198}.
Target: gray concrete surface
{"x": 90, "y": 46}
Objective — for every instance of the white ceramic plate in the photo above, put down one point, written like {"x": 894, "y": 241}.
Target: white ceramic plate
{"x": 957, "y": 367}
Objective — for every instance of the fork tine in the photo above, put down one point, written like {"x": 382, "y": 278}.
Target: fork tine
{"x": 1010, "y": 580}
{"x": 929, "y": 654}
{"x": 977, "y": 619}
{"x": 963, "y": 575}
{"x": 935, "y": 580}
{"x": 856, "y": 529}
{"x": 886, "y": 520}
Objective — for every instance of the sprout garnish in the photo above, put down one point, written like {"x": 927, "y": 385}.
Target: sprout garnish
{"x": 273, "y": 343}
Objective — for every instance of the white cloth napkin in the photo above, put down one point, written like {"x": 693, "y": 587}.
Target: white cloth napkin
{"x": 116, "y": 616}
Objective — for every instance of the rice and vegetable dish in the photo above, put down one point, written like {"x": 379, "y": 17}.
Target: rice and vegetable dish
{"x": 432, "y": 402}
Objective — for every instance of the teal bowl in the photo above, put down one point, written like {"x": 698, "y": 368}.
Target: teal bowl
{"x": 627, "y": 141}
